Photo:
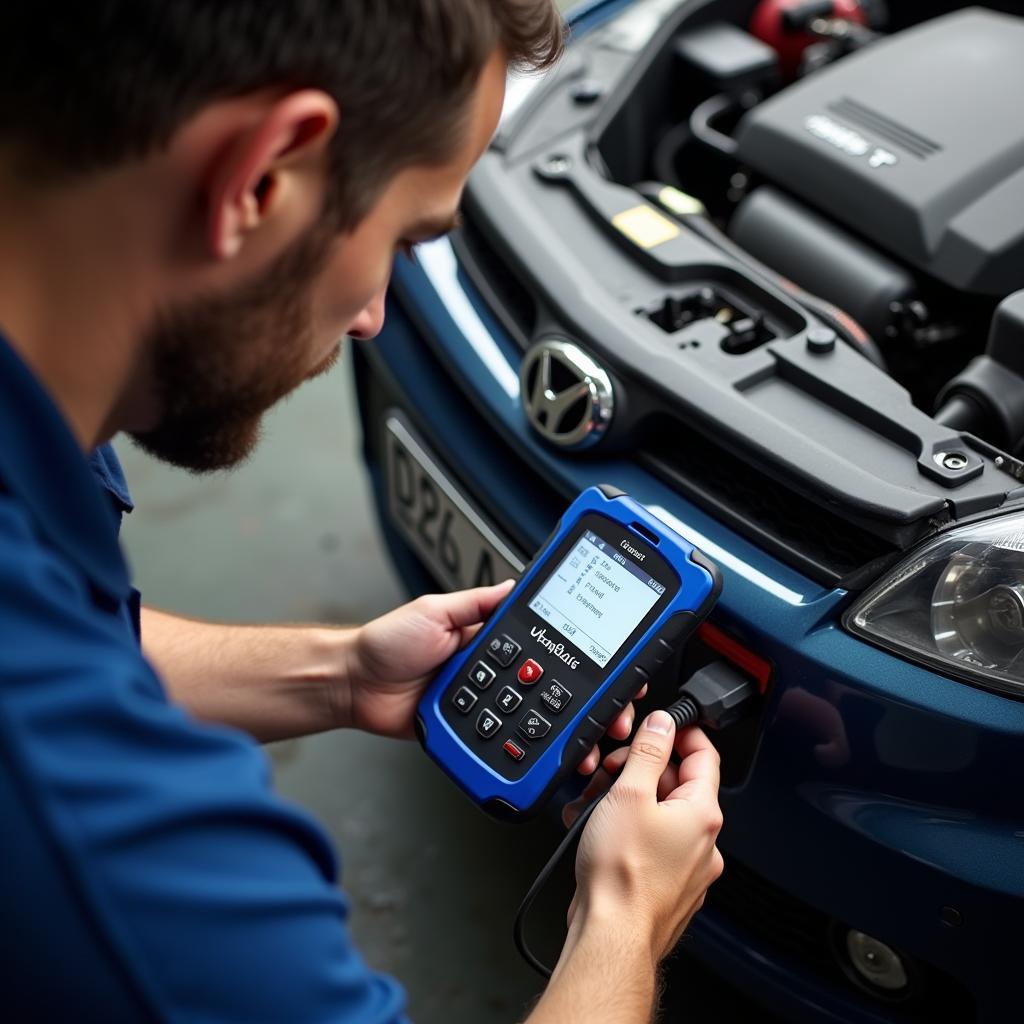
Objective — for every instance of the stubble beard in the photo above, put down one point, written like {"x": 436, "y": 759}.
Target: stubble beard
{"x": 221, "y": 362}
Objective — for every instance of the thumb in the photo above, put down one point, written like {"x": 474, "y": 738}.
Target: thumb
{"x": 468, "y": 607}
{"x": 649, "y": 753}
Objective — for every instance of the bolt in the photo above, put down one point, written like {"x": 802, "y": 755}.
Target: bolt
{"x": 951, "y": 917}
{"x": 821, "y": 340}
{"x": 954, "y": 461}
{"x": 1000, "y": 462}
{"x": 556, "y": 166}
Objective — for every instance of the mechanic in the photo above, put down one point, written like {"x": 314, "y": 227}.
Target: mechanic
{"x": 197, "y": 200}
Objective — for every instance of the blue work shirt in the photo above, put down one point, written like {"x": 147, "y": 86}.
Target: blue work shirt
{"x": 147, "y": 870}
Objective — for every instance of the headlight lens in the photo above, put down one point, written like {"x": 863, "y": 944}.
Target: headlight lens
{"x": 956, "y": 604}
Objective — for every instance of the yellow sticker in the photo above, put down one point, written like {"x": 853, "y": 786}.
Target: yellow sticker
{"x": 679, "y": 202}
{"x": 644, "y": 226}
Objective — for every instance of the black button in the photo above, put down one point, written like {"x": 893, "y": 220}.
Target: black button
{"x": 534, "y": 726}
{"x": 678, "y": 627}
{"x": 482, "y": 675}
{"x": 488, "y": 723}
{"x": 503, "y": 649}
{"x": 509, "y": 700}
{"x": 464, "y": 699}
{"x": 556, "y": 696}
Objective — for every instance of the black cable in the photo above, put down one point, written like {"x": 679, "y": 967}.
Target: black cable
{"x": 519, "y": 928}
{"x": 684, "y": 712}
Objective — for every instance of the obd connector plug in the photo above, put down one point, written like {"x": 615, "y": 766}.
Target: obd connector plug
{"x": 715, "y": 696}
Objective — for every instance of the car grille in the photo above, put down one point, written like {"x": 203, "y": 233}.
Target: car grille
{"x": 801, "y": 933}
{"x": 799, "y": 531}
{"x": 507, "y": 297}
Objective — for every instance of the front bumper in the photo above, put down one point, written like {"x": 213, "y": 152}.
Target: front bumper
{"x": 879, "y": 795}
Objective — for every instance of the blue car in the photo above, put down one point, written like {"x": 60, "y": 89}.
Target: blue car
{"x": 760, "y": 265}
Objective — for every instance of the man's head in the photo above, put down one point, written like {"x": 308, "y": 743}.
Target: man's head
{"x": 273, "y": 156}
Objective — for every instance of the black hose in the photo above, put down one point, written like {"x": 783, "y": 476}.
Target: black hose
{"x": 700, "y": 124}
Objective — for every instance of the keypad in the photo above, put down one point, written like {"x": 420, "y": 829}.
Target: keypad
{"x": 508, "y": 676}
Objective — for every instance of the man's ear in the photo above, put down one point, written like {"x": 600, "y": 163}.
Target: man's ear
{"x": 246, "y": 177}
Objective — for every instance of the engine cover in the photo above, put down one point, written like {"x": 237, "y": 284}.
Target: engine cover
{"x": 917, "y": 143}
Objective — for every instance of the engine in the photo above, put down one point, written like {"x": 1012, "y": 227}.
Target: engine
{"x": 883, "y": 173}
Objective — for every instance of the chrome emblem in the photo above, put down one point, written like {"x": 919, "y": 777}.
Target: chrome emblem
{"x": 567, "y": 397}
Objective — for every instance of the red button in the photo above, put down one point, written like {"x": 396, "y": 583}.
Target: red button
{"x": 530, "y": 672}
{"x": 514, "y": 751}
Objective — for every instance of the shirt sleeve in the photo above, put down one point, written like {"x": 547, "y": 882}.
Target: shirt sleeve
{"x": 158, "y": 841}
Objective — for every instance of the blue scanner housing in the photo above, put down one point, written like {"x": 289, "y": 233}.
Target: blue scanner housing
{"x": 514, "y": 713}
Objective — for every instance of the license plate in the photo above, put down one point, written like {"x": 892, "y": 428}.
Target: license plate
{"x": 439, "y": 522}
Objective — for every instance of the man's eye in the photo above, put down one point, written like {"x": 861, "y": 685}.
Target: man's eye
{"x": 408, "y": 250}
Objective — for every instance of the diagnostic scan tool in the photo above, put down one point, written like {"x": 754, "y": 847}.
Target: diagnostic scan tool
{"x": 607, "y": 600}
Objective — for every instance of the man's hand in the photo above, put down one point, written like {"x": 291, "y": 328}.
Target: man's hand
{"x": 644, "y": 864}
{"x": 394, "y": 657}
{"x": 649, "y": 847}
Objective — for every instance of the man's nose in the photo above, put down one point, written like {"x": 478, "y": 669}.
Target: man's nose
{"x": 369, "y": 323}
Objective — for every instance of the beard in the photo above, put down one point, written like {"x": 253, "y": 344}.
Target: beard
{"x": 221, "y": 362}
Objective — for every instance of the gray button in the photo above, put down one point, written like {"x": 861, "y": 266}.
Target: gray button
{"x": 534, "y": 726}
{"x": 488, "y": 723}
{"x": 482, "y": 675}
{"x": 509, "y": 700}
{"x": 464, "y": 699}
{"x": 556, "y": 696}
{"x": 503, "y": 649}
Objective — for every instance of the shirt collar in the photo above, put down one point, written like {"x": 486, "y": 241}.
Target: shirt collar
{"x": 42, "y": 466}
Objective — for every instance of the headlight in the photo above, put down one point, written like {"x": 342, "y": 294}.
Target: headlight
{"x": 956, "y": 604}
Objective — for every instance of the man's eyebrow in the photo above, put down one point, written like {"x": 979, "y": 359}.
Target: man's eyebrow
{"x": 434, "y": 227}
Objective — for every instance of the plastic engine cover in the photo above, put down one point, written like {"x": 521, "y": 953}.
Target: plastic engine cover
{"x": 917, "y": 143}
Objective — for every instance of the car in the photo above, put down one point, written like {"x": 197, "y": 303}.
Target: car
{"x": 760, "y": 265}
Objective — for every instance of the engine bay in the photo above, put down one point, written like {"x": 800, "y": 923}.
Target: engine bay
{"x": 877, "y": 163}
{"x": 790, "y": 233}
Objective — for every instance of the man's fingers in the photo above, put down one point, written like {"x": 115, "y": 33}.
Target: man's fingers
{"x": 615, "y": 760}
{"x": 699, "y": 767}
{"x": 668, "y": 782}
{"x": 467, "y": 634}
{"x": 589, "y": 764}
{"x": 623, "y": 724}
{"x": 649, "y": 754}
{"x": 690, "y": 740}
{"x": 598, "y": 784}
{"x": 468, "y": 607}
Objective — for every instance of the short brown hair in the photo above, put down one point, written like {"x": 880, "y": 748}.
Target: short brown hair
{"x": 111, "y": 80}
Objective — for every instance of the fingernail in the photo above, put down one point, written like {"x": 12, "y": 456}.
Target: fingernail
{"x": 659, "y": 721}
